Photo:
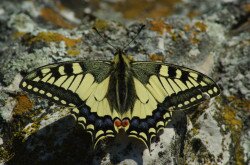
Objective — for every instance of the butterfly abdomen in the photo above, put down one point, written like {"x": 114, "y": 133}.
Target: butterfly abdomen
{"x": 123, "y": 83}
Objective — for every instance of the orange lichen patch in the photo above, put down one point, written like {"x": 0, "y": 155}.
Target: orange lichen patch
{"x": 156, "y": 57}
{"x": 55, "y": 18}
{"x": 23, "y": 105}
{"x": 141, "y": 9}
{"x": 246, "y": 7}
{"x": 240, "y": 104}
{"x": 54, "y": 37}
{"x": 160, "y": 26}
{"x": 101, "y": 24}
{"x": 73, "y": 52}
{"x": 200, "y": 26}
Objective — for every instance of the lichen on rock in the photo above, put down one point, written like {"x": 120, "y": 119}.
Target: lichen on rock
{"x": 211, "y": 37}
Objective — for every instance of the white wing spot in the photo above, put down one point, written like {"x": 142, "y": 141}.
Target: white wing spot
{"x": 63, "y": 102}
{"x": 35, "y": 89}
{"x": 186, "y": 102}
{"x": 198, "y": 96}
{"x": 41, "y": 91}
{"x": 215, "y": 90}
{"x": 24, "y": 84}
{"x": 56, "y": 98}
{"x": 29, "y": 87}
{"x": 192, "y": 99}
{"x": 210, "y": 91}
{"x": 180, "y": 105}
{"x": 49, "y": 94}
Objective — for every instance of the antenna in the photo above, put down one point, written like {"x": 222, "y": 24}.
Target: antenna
{"x": 104, "y": 39}
{"x": 139, "y": 30}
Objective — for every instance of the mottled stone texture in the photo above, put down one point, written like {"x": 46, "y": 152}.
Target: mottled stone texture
{"x": 209, "y": 36}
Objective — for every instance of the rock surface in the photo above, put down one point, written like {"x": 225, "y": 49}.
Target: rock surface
{"x": 212, "y": 37}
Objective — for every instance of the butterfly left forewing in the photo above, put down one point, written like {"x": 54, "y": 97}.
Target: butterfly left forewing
{"x": 81, "y": 85}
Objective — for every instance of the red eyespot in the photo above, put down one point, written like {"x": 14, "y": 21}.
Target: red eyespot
{"x": 117, "y": 122}
{"x": 125, "y": 122}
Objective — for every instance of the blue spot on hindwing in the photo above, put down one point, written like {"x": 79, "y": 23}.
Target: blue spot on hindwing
{"x": 84, "y": 111}
{"x": 134, "y": 123}
{"x": 157, "y": 115}
{"x": 143, "y": 126}
{"x": 91, "y": 118}
{"x": 151, "y": 122}
{"x": 98, "y": 123}
{"x": 108, "y": 122}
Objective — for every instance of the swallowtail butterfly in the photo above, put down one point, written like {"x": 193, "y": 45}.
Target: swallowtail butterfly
{"x": 107, "y": 96}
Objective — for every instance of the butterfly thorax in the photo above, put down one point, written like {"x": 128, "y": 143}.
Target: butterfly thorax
{"x": 123, "y": 84}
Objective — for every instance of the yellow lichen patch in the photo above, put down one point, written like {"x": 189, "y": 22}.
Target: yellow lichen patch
{"x": 55, "y": 18}
{"x": 193, "y": 38}
{"x": 229, "y": 116}
{"x": 101, "y": 24}
{"x": 53, "y": 37}
{"x": 187, "y": 28}
{"x": 23, "y": 105}
{"x": 18, "y": 34}
{"x": 73, "y": 52}
{"x": 156, "y": 57}
{"x": 200, "y": 26}
{"x": 141, "y": 9}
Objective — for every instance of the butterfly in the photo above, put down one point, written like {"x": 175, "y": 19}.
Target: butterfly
{"x": 109, "y": 96}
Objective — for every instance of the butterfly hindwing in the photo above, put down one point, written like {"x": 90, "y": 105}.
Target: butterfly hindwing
{"x": 81, "y": 85}
{"x": 161, "y": 88}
